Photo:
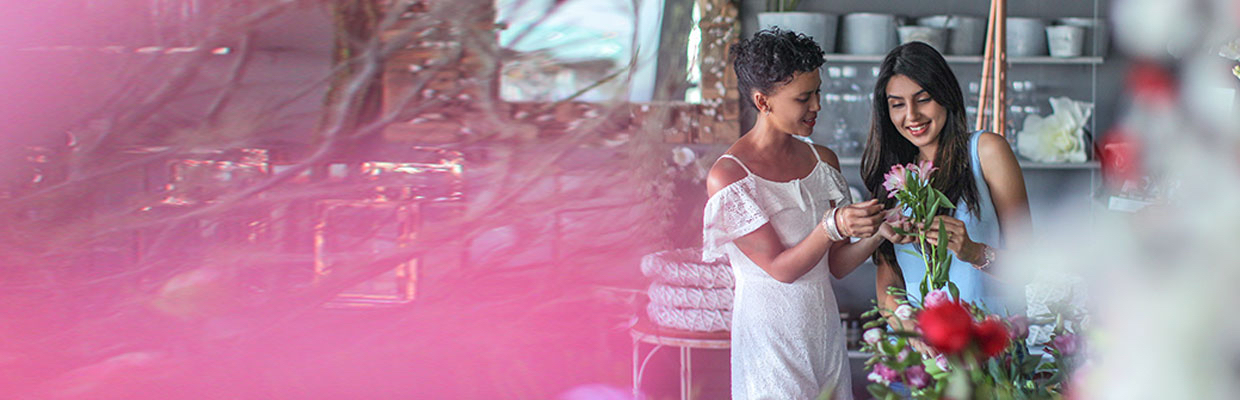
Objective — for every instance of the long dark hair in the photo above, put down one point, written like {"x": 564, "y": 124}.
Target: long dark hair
{"x": 886, "y": 147}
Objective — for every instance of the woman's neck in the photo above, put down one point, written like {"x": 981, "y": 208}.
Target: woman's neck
{"x": 766, "y": 138}
{"x": 927, "y": 152}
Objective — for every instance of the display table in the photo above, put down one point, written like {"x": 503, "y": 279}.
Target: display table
{"x": 646, "y": 332}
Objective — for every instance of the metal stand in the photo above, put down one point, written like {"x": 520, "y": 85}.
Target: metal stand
{"x": 685, "y": 341}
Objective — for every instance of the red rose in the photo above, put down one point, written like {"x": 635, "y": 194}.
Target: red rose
{"x": 992, "y": 337}
{"x": 946, "y": 326}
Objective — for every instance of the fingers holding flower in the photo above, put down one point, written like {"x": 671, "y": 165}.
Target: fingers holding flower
{"x": 957, "y": 235}
{"x": 860, "y": 219}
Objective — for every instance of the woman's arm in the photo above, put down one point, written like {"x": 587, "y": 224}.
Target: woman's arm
{"x": 846, "y": 256}
{"x": 1002, "y": 173}
{"x": 1007, "y": 192}
{"x": 888, "y": 275}
{"x": 763, "y": 246}
{"x": 1007, "y": 189}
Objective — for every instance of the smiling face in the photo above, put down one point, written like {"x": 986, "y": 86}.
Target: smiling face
{"x": 794, "y": 106}
{"x": 916, "y": 115}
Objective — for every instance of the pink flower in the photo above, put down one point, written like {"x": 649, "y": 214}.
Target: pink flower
{"x": 873, "y": 335}
{"x": 894, "y": 181}
{"x": 895, "y": 217}
{"x": 917, "y": 376}
{"x": 904, "y": 311}
{"x": 935, "y": 297}
{"x": 883, "y": 374}
{"x": 1020, "y": 326}
{"x": 923, "y": 169}
{"x": 1066, "y": 343}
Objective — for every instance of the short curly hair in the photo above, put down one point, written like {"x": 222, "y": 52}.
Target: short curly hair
{"x": 770, "y": 58}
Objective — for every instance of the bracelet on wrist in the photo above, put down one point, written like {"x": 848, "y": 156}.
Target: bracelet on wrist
{"x": 829, "y": 226}
{"x": 988, "y": 256}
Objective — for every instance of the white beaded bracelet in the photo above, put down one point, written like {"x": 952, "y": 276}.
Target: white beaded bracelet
{"x": 828, "y": 225}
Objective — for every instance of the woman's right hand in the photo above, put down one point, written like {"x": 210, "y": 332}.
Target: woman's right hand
{"x": 860, "y": 220}
{"x": 887, "y": 231}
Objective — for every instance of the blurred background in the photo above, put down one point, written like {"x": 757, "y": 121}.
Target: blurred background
{"x": 472, "y": 199}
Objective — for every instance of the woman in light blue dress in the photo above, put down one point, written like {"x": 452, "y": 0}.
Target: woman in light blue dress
{"x": 919, "y": 114}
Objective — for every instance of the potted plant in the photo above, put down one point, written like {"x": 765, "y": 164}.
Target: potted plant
{"x": 783, "y": 14}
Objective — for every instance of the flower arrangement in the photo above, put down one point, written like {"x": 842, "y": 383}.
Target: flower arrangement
{"x": 969, "y": 353}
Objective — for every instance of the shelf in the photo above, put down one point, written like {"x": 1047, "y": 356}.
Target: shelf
{"x": 858, "y": 354}
{"x": 1026, "y": 165}
{"x": 877, "y": 58}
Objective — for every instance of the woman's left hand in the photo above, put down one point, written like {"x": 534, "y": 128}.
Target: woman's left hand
{"x": 957, "y": 239}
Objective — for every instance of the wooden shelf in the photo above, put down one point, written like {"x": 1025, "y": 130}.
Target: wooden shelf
{"x": 877, "y": 58}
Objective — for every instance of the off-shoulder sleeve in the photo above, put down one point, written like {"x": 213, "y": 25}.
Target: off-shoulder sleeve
{"x": 731, "y": 213}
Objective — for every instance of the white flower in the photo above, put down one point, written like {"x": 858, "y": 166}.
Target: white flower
{"x": 682, "y": 156}
{"x": 873, "y": 335}
{"x": 1058, "y": 137}
{"x": 876, "y": 378}
{"x": 904, "y": 311}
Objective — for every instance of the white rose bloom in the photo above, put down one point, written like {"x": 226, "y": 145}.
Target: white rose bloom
{"x": 873, "y": 335}
{"x": 904, "y": 311}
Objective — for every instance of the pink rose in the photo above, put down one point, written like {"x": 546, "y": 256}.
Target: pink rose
{"x": 1066, "y": 343}
{"x": 935, "y": 298}
{"x": 883, "y": 374}
{"x": 1020, "y": 326}
{"x": 917, "y": 376}
{"x": 894, "y": 181}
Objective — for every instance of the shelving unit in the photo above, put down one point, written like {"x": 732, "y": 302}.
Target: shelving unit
{"x": 878, "y": 58}
{"x": 1024, "y": 164}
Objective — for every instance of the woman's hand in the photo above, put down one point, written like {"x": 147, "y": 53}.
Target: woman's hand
{"x": 859, "y": 219}
{"x": 888, "y": 230}
{"x": 957, "y": 240}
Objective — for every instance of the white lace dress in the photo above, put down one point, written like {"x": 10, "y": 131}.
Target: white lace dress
{"x": 787, "y": 341}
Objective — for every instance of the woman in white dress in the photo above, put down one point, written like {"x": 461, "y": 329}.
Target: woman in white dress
{"x": 781, "y": 213}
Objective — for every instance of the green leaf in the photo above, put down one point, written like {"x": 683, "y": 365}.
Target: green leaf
{"x": 910, "y": 252}
{"x": 955, "y": 291}
{"x": 874, "y": 324}
{"x": 943, "y": 200}
{"x": 901, "y": 231}
{"x": 933, "y": 369}
{"x": 878, "y": 391}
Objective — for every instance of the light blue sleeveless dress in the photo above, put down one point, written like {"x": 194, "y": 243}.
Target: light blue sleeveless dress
{"x": 975, "y": 286}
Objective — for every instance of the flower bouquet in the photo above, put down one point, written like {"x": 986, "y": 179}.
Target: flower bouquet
{"x": 969, "y": 353}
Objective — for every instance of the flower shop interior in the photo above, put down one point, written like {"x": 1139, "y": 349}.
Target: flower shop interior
{"x": 503, "y": 199}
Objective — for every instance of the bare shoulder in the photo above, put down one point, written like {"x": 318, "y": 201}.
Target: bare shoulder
{"x": 726, "y": 171}
{"x": 828, "y": 156}
{"x": 998, "y": 160}
{"x": 995, "y": 152}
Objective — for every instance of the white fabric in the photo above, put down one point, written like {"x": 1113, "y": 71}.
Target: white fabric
{"x": 787, "y": 340}
{"x": 684, "y": 267}
{"x": 689, "y": 319}
{"x": 690, "y": 297}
